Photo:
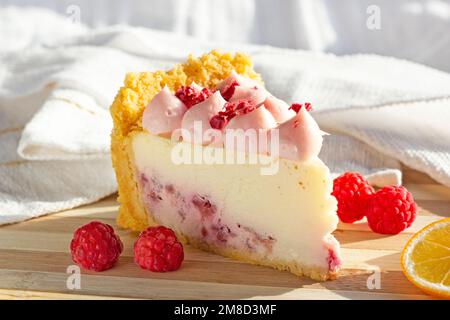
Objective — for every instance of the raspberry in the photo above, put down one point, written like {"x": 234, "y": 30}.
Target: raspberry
{"x": 95, "y": 246}
{"x": 157, "y": 249}
{"x": 352, "y": 192}
{"x": 228, "y": 92}
{"x": 230, "y": 110}
{"x": 190, "y": 96}
{"x": 391, "y": 210}
{"x": 297, "y": 106}
{"x": 239, "y": 107}
{"x": 218, "y": 122}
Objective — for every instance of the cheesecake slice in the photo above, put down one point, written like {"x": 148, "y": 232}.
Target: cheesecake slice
{"x": 179, "y": 162}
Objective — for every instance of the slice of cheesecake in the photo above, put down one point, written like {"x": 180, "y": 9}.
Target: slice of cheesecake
{"x": 272, "y": 207}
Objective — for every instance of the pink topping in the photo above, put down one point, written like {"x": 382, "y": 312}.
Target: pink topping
{"x": 164, "y": 113}
{"x": 300, "y": 137}
{"x": 239, "y": 80}
{"x": 279, "y": 109}
{"x": 237, "y": 87}
{"x": 197, "y": 119}
{"x": 259, "y": 118}
{"x": 227, "y": 86}
{"x": 250, "y": 106}
{"x": 255, "y": 95}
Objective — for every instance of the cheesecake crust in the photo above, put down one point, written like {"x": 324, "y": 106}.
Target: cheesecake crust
{"x": 127, "y": 109}
{"x": 129, "y": 104}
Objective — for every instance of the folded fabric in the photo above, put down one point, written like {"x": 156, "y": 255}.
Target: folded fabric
{"x": 55, "y": 124}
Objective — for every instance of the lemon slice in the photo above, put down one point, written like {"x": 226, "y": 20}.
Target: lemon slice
{"x": 426, "y": 259}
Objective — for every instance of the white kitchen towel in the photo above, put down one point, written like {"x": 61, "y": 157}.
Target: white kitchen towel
{"x": 55, "y": 94}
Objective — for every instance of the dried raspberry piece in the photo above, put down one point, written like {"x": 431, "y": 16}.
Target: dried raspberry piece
{"x": 297, "y": 106}
{"x": 241, "y": 107}
{"x": 95, "y": 246}
{"x": 352, "y": 192}
{"x": 191, "y": 96}
{"x": 228, "y": 91}
{"x": 218, "y": 122}
{"x": 157, "y": 249}
{"x": 230, "y": 110}
{"x": 391, "y": 210}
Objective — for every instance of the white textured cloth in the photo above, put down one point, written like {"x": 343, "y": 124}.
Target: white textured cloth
{"x": 55, "y": 94}
{"x": 405, "y": 29}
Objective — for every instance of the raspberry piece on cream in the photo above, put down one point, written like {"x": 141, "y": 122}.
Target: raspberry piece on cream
{"x": 164, "y": 113}
{"x": 228, "y": 91}
{"x": 279, "y": 109}
{"x": 237, "y": 87}
{"x": 197, "y": 119}
{"x": 192, "y": 95}
{"x": 297, "y": 106}
{"x": 230, "y": 110}
{"x": 239, "y": 107}
{"x": 218, "y": 121}
{"x": 227, "y": 86}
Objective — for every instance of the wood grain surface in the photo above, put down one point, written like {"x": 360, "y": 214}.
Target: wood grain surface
{"x": 34, "y": 257}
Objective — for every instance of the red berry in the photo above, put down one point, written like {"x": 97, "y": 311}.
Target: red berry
{"x": 297, "y": 106}
{"x": 352, "y": 192}
{"x": 230, "y": 110}
{"x": 391, "y": 210}
{"x": 95, "y": 246}
{"x": 190, "y": 96}
{"x": 218, "y": 122}
{"x": 239, "y": 107}
{"x": 228, "y": 91}
{"x": 157, "y": 249}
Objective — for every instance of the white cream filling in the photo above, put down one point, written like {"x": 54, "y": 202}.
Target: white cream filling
{"x": 293, "y": 206}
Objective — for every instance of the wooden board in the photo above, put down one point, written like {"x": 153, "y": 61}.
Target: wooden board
{"x": 34, "y": 257}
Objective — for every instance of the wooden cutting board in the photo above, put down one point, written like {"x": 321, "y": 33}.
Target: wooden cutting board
{"x": 34, "y": 257}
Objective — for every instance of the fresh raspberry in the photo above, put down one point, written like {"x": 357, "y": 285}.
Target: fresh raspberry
{"x": 228, "y": 91}
{"x": 95, "y": 246}
{"x": 391, "y": 210}
{"x": 157, "y": 249}
{"x": 297, "y": 106}
{"x": 191, "y": 96}
{"x": 352, "y": 192}
{"x": 230, "y": 110}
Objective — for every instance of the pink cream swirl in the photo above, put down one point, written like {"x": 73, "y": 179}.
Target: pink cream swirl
{"x": 300, "y": 138}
